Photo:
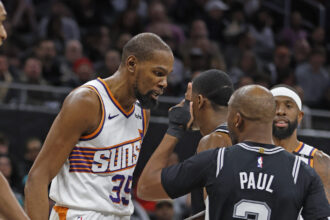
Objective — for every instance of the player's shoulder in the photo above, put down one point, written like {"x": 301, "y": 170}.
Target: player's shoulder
{"x": 213, "y": 140}
{"x": 321, "y": 162}
{"x": 82, "y": 99}
{"x": 321, "y": 156}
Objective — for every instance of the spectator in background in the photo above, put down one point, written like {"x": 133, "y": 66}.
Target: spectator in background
{"x": 90, "y": 13}
{"x": 5, "y": 77}
{"x": 122, "y": 40}
{"x": 164, "y": 210}
{"x": 244, "y": 81}
{"x": 32, "y": 72}
{"x": 129, "y": 22}
{"x": 290, "y": 35}
{"x": 158, "y": 14}
{"x": 96, "y": 43}
{"x": 84, "y": 71}
{"x": 301, "y": 51}
{"x": 4, "y": 144}
{"x": 59, "y": 26}
{"x": 313, "y": 78}
{"x": 280, "y": 70}
{"x": 32, "y": 148}
{"x": 199, "y": 39}
{"x": 23, "y": 20}
{"x": 73, "y": 51}
{"x": 10, "y": 173}
{"x": 110, "y": 65}
{"x": 261, "y": 30}
{"x": 32, "y": 75}
{"x": 247, "y": 66}
{"x": 140, "y": 6}
{"x": 317, "y": 38}
{"x": 47, "y": 54}
{"x": 236, "y": 25}
{"x": 215, "y": 20}
{"x": 237, "y": 46}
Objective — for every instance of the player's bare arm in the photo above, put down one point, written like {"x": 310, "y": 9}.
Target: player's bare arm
{"x": 322, "y": 167}
{"x": 80, "y": 115}
{"x": 213, "y": 140}
{"x": 9, "y": 207}
{"x": 149, "y": 185}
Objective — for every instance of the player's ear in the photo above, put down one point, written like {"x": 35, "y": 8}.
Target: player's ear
{"x": 300, "y": 116}
{"x": 239, "y": 121}
{"x": 201, "y": 101}
{"x": 131, "y": 63}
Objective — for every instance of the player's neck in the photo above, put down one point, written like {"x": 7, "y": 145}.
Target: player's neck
{"x": 257, "y": 133}
{"x": 121, "y": 90}
{"x": 290, "y": 143}
{"x": 211, "y": 121}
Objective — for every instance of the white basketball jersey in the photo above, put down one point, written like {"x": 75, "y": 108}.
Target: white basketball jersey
{"x": 98, "y": 173}
{"x": 306, "y": 153}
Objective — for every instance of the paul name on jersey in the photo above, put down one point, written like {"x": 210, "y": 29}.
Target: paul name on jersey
{"x": 260, "y": 181}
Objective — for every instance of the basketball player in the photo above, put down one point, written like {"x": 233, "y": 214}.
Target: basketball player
{"x": 288, "y": 117}
{"x": 93, "y": 145}
{"x": 211, "y": 91}
{"x": 249, "y": 180}
{"x": 9, "y": 207}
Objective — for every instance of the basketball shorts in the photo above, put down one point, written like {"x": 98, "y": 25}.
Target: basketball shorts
{"x": 63, "y": 213}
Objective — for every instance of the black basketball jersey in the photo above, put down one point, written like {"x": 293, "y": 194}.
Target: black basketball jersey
{"x": 250, "y": 181}
{"x": 197, "y": 195}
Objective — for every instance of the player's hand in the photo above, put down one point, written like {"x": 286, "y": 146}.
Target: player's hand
{"x": 188, "y": 96}
{"x": 178, "y": 116}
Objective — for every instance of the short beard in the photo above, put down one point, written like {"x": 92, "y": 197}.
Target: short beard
{"x": 283, "y": 133}
{"x": 146, "y": 101}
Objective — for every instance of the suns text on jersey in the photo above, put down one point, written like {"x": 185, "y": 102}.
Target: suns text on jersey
{"x": 117, "y": 158}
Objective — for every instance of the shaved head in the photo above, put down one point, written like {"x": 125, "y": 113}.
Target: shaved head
{"x": 251, "y": 114}
{"x": 254, "y": 103}
{"x": 143, "y": 46}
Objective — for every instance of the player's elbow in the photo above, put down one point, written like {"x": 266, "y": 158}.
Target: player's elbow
{"x": 141, "y": 191}
{"x": 35, "y": 180}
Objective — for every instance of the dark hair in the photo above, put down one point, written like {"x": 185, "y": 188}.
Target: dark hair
{"x": 142, "y": 46}
{"x": 215, "y": 85}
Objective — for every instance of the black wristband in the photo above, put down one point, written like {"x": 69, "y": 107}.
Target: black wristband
{"x": 178, "y": 117}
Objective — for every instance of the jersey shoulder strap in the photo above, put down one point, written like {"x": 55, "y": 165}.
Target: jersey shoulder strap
{"x": 306, "y": 153}
{"x": 222, "y": 128}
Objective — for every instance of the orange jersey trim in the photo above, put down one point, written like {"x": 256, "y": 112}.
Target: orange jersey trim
{"x": 312, "y": 160}
{"x": 127, "y": 114}
{"x": 96, "y": 132}
{"x": 89, "y": 170}
{"x": 61, "y": 211}
{"x": 299, "y": 147}
{"x": 144, "y": 122}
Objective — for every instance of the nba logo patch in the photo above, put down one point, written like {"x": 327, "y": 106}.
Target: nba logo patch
{"x": 260, "y": 162}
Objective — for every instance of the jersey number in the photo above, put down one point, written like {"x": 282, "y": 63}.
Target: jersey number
{"x": 249, "y": 209}
{"x": 117, "y": 189}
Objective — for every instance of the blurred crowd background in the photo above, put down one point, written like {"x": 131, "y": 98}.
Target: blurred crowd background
{"x": 54, "y": 46}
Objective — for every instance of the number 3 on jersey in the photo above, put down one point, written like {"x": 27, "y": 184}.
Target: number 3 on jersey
{"x": 245, "y": 209}
{"x": 117, "y": 189}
